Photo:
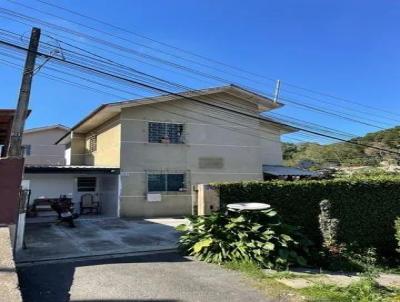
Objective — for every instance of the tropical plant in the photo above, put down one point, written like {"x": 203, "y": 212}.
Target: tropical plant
{"x": 259, "y": 237}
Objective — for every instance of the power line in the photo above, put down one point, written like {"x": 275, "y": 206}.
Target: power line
{"x": 197, "y": 55}
{"x": 297, "y": 104}
{"x": 328, "y": 111}
{"x": 218, "y": 117}
{"x": 157, "y": 89}
{"x": 184, "y": 87}
{"x": 290, "y": 101}
{"x": 174, "y": 113}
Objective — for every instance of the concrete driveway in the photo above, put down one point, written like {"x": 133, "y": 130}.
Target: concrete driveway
{"x": 162, "y": 277}
{"x": 96, "y": 237}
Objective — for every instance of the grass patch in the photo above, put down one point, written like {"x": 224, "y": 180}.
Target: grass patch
{"x": 247, "y": 267}
{"x": 365, "y": 290}
{"x": 253, "y": 270}
{"x": 266, "y": 282}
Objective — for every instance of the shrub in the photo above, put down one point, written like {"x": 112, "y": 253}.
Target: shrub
{"x": 365, "y": 207}
{"x": 397, "y": 232}
{"x": 258, "y": 237}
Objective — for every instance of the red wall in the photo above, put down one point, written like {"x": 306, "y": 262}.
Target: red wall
{"x": 10, "y": 181}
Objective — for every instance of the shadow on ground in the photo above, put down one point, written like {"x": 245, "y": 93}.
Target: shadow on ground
{"x": 126, "y": 300}
{"x": 94, "y": 237}
{"x": 52, "y": 282}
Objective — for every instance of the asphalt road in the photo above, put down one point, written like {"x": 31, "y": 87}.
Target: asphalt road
{"x": 161, "y": 277}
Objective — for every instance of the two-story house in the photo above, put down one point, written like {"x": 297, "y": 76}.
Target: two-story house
{"x": 39, "y": 145}
{"x": 165, "y": 145}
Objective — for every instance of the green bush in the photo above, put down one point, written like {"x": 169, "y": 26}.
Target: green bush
{"x": 397, "y": 232}
{"x": 257, "y": 237}
{"x": 365, "y": 208}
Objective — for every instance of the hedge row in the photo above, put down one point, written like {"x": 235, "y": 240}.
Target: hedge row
{"x": 366, "y": 207}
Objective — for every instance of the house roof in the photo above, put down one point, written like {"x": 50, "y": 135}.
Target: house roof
{"x": 44, "y": 128}
{"x": 277, "y": 170}
{"x": 109, "y": 110}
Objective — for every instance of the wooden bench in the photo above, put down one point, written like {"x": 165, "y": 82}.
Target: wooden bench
{"x": 43, "y": 205}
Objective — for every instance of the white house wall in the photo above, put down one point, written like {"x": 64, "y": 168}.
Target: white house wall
{"x": 50, "y": 185}
{"x": 43, "y": 149}
{"x": 54, "y": 185}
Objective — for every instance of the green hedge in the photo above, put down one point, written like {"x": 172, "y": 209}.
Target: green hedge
{"x": 365, "y": 207}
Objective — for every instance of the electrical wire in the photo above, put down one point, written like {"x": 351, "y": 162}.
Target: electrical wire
{"x": 161, "y": 90}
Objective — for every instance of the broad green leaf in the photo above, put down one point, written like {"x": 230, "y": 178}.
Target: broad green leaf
{"x": 286, "y": 237}
{"x": 269, "y": 246}
{"x": 231, "y": 225}
{"x": 182, "y": 228}
{"x": 256, "y": 227}
{"x": 239, "y": 219}
{"x": 271, "y": 213}
{"x": 202, "y": 244}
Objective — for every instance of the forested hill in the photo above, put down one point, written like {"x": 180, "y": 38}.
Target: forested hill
{"x": 346, "y": 154}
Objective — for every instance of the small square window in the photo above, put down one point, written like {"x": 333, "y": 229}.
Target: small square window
{"x": 86, "y": 184}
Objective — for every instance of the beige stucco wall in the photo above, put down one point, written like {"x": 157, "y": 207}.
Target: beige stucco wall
{"x": 108, "y": 145}
{"x": 208, "y": 134}
{"x": 43, "y": 149}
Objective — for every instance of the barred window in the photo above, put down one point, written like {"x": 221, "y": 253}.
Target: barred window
{"x": 93, "y": 143}
{"x": 166, "y": 182}
{"x": 165, "y": 133}
{"x": 156, "y": 182}
{"x": 86, "y": 184}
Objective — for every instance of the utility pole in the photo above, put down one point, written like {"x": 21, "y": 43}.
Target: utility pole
{"x": 21, "y": 113}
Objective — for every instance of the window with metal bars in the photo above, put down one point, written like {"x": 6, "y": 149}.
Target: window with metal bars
{"x": 167, "y": 133}
{"x": 166, "y": 182}
{"x": 93, "y": 143}
{"x": 87, "y": 184}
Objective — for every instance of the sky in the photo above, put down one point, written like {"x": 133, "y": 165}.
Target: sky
{"x": 348, "y": 49}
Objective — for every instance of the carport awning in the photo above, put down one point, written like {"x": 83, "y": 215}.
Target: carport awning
{"x": 30, "y": 169}
{"x": 276, "y": 170}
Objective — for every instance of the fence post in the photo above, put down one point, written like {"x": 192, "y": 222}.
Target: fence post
{"x": 207, "y": 199}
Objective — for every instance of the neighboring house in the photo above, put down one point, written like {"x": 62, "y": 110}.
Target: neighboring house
{"x": 161, "y": 147}
{"x": 40, "y": 148}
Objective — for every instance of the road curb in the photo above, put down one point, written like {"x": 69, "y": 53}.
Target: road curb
{"x": 94, "y": 257}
